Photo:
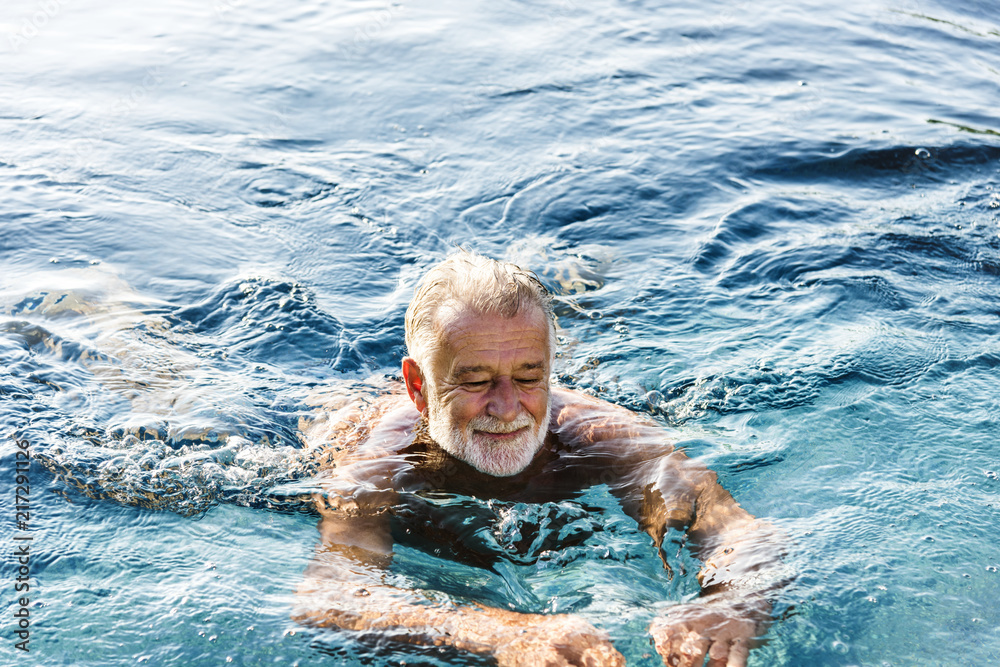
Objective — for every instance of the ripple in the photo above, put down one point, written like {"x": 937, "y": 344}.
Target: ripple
{"x": 267, "y": 186}
{"x": 270, "y": 319}
{"x": 39, "y": 339}
{"x": 894, "y": 357}
{"x": 132, "y": 414}
{"x": 876, "y": 355}
{"x": 759, "y": 221}
{"x": 865, "y": 164}
{"x": 743, "y": 390}
{"x": 188, "y": 480}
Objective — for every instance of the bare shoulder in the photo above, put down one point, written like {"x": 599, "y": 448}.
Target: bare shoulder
{"x": 579, "y": 417}
{"x": 347, "y": 426}
{"x": 359, "y": 454}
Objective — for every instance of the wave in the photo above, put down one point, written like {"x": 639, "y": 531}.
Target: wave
{"x": 269, "y": 320}
{"x": 826, "y": 163}
{"x": 173, "y": 408}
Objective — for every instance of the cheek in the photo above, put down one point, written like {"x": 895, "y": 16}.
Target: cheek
{"x": 535, "y": 404}
{"x": 463, "y": 408}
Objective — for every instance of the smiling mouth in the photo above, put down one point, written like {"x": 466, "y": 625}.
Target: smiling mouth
{"x": 501, "y": 437}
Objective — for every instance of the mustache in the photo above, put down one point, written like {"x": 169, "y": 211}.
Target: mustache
{"x": 494, "y": 425}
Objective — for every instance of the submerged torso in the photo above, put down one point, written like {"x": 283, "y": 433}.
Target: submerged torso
{"x": 381, "y": 460}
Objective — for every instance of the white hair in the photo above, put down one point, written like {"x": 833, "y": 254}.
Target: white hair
{"x": 480, "y": 284}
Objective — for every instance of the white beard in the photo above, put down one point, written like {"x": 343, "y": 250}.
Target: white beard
{"x": 497, "y": 459}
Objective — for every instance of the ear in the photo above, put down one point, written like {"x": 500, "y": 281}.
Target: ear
{"x": 414, "y": 383}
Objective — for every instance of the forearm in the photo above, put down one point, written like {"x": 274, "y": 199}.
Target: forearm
{"x": 741, "y": 576}
{"x": 747, "y": 561}
{"x": 742, "y": 556}
{"x": 347, "y": 587}
{"x": 412, "y": 617}
{"x": 408, "y": 616}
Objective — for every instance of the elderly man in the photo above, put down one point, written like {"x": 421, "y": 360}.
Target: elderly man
{"x": 480, "y": 418}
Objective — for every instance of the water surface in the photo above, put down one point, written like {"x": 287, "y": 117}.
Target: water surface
{"x": 773, "y": 227}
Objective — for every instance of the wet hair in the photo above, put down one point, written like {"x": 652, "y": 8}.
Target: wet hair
{"x": 481, "y": 284}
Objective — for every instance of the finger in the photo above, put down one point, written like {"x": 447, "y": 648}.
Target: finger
{"x": 668, "y": 643}
{"x": 738, "y": 653}
{"x": 693, "y": 649}
{"x": 672, "y": 656}
{"x": 661, "y": 641}
{"x": 672, "y": 653}
{"x": 718, "y": 654}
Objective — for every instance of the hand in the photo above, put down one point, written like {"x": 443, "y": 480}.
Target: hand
{"x": 558, "y": 641}
{"x": 723, "y": 631}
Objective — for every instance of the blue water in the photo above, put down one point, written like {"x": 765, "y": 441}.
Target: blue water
{"x": 773, "y": 227}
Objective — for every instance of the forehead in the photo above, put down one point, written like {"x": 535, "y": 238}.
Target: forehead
{"x": 472, "y": 339}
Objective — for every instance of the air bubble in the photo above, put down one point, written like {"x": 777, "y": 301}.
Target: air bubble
{"x": 928, "y": 538}
{"x": 922, "y": 153}
{"x": 654, "y": 398}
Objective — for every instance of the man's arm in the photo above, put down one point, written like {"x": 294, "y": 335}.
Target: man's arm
{"x": 345, "y": 587}
{"x": 661, "y": 489}
{"x": 741, "y": 571}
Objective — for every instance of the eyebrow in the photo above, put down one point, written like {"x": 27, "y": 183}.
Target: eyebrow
{"x": 470, "y": 370}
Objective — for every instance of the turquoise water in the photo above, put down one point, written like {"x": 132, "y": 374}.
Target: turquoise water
{"x": 775, "y": 228}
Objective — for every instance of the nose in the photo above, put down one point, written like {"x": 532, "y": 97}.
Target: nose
{"x": 504, "y": 401}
